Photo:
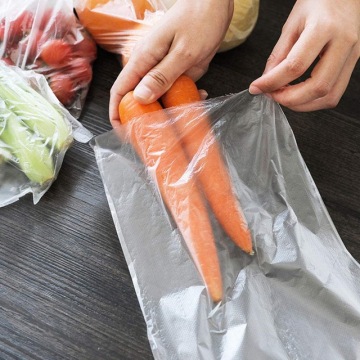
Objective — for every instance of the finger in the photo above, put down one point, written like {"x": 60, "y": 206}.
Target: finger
{"x": 323, "y": 78}
{"x": 160, "y": 78}
{"x": 287, "y": 39}
{"x": 331, "y": 100}
{"x": 198, "y": 70}
{"x": 114, "y": 102}
{"x": 203, "y": 94}
{"x": 302, "y": 55}
{"x": 145, "y": 56}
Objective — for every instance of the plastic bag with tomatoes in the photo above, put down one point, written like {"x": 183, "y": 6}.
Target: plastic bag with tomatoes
{"x": 45, "y": 36}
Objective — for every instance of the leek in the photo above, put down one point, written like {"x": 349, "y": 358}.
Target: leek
{"x": 29, "y": 151}
{"x": 35, "y": 111}
{"x": 5, "y": 154}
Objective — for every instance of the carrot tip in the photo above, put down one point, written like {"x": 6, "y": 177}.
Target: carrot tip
{"x": 252, "y": 253}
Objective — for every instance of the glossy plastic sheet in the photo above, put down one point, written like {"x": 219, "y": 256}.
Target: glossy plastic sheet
{"x": 45, "y": 36}
{"x": 298, "y": 297}
{"x": 35, "y": 133}
{"x": 118, "y": 25}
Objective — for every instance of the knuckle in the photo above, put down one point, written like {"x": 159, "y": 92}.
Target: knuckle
{"x": 159, "y": 78}
{"x": 288, "y": 102}
{"x": 267, "y": 85}
{"x": 325, "y": 25}
{"x": 321, "y": 88}
{"x": 351, "y": 38}
{"x": 285, "y": 27}
{"x": 144, "y": 51}
{"x": 185, "y": 53}
{"x": 332, "y": 102}
{"x": 295, "y": 67}
{"x": 272, "y": 58}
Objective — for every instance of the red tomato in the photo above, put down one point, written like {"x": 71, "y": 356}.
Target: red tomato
{"x": 24, "y": 21}
{"x": 31, "y": 44}
{"x": 55, "y": 52}
{"x": 2, "y": 29}
{"x": 86, "y": 48}
{"x": 7, "y": 60}
{"x": 63, "y": 87}
{"x": 81, "y": 71}
{"x": 20, "y": 26}
{"x": 57, "y": 24}
{"x": 45, "y": 19}
{"x": 12, "y": 32}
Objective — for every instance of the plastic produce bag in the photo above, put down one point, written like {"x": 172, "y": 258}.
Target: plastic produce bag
{"x": 117, "y": 25}
{"x": 297, "y": 297}
{"x": 35, "y": 133}
{"x": 45, "y": 36}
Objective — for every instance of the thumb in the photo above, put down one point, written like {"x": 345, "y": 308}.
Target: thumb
{"x": 151, "y": 87}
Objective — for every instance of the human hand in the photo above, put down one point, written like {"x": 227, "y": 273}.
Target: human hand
{"x": 184, "y": 41}
{"x": 325, "y": 30}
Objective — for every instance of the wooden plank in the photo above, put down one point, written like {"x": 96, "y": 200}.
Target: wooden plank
{"x": 65, "y": 289}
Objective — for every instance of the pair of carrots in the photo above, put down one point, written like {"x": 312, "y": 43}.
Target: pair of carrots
{"x": 162, "y": 150}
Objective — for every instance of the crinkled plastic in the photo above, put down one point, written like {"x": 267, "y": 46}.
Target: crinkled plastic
{"x": 117, "y": 25}
{"x": 45, "y": 36}
{"x": 35, "y": 133}
{"x": 298, "y": 297}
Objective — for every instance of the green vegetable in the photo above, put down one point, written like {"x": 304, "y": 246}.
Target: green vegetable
{"x": 5, "y": 154}
{"x": 30, "y": 151}
{"x": 34, "y": 110}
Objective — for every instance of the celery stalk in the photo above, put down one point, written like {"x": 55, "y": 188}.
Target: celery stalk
{"x": 31, "y": 153}
{"x": 38, "y": 113}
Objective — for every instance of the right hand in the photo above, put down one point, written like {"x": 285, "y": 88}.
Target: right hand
{"x": 184, "y": 41}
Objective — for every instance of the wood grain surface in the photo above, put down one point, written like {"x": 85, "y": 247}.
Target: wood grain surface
{"x": 65, "y": 289}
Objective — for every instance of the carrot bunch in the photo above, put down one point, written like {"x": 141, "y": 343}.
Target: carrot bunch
{"x": 167, "y": 149}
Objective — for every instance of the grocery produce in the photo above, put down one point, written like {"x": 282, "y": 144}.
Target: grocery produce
{"x": 50, "y": 41}
{"x": 29, "y": 152}
{"x": 157, "y": 144}
{"x": 33, "y": 109}
{"x": 209, "y": 168}
{"x": 33, "y": 132}
{"x": 116, "y": 26}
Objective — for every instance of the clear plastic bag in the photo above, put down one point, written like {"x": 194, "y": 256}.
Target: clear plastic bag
{"x": 45, "y": 36}
{"x": 35, "y": 133}
{"x": 297, "y": 297}
{"x": 117, "y": 25}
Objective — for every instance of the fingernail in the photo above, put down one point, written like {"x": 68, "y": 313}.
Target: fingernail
{"x": 142, "y": 92}
{"x": 203, "y": 94}
{"x": 254, "y": 90}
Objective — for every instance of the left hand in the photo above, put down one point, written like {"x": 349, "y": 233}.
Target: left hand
{"x": 323, "y": 30}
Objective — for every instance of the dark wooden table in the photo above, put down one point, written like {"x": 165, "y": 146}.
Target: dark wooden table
{"x": 65, "y": 289}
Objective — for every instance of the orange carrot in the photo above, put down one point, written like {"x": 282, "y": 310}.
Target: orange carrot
{"x": 210, "y": 169}
{"x": 156, "y": 142}
{"x": 140, "y": 7}
{"x": 110, "y": 24}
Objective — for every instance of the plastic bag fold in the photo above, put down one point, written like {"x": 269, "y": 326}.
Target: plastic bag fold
{"x": 298, "y": 297}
